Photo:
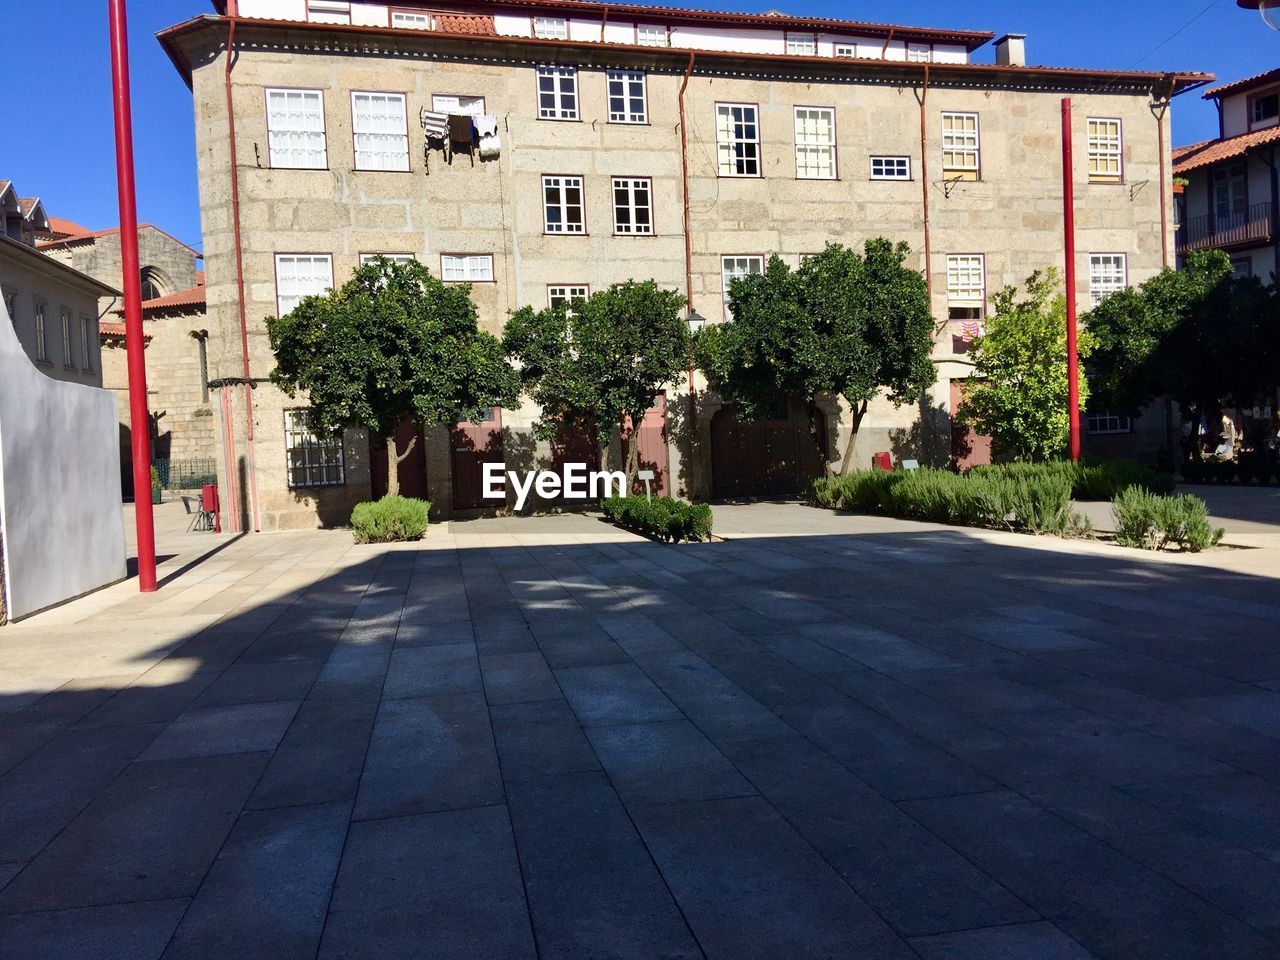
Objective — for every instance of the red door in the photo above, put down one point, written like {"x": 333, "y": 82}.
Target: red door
{"x": 968, "y": 449}
{"x": 653, "y": 447}
{"x": 575, "y": 444}
{"x": 473, "y": 445}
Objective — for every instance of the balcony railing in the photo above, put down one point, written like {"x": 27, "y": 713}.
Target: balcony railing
{"x": 1249, "y": 226}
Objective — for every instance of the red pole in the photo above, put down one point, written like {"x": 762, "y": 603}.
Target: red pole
{"x": 1069, "y": 244}
{"x": 139, "y": 420}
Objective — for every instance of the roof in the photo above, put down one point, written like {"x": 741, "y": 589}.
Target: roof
{"x": 1239, "y": 86}
{"x": 94, "y": 234}
{"x": 1215, "y": 151}
{"x": 1179, "y": 82}
{"x": 66, "y": 229}
{"x": 971, "y": 39}
{"x": 42, "y": 261}
{"x": 477, "y": 24}
{"x": 192, "y": 297}
{"x": 110, "y": 328}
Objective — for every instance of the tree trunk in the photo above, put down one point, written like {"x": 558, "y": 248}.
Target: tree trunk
{"x": 817, "y": 439}
{"x": 394, "y": 460}
{"x": 858, "y": 413}
{"x": 633, "y": 454}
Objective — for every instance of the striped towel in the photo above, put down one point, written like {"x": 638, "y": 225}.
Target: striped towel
{"x": 435, "y": 124}
{"x": 971, "y": 329}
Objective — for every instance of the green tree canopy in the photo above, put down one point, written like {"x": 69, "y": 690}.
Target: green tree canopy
{"x": 393, "y": 343}
{"x": 844, "y": 323}
{"x": 1017, "y": 394}
{"x": 1194, "y": 334}
{"x": 600, "y": 362}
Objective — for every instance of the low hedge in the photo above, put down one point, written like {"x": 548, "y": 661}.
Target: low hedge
{"x": 390, "y": 519}
{"x": 1090, "y": 479}
{"x": 663, "y": 517}
{"x": 1154, "y": 522}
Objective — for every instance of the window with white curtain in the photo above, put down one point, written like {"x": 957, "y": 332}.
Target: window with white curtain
{"x": 627, "y": 100}
{"x": 733, "y": 267}
{"x": 960, "y": 146}
{"x": 633, "y": 206}
{"x": 919, "y": 52}
{"x": 802, "y": 44}
{"x": 563, "y": 205}
{"x": 410, "y": 21}
{"x": 295, "y": 129}
{"x": 457, "y": 103}
{"x": 301, "y": 275}
{"x": 551, "y": 28}
{"x": 557, "y": 92}
{"x": 815, "y": 143}
{"x": 738, "y": 139}
{"x": 381, "y": 130}
{"x": 1108, "y": 272}
{"x": 651, "y": 35}
{"x": 329, "y": 11}
{"x": 966, "y": 286}
{"x": 563, "y": 294}
{"x": 1106, "y": 150}
{"x": 468, "y": 267}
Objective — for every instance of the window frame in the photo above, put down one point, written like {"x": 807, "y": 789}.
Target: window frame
{"x": 585, "y": 287}
{"x": 628, "y": 75}
{"x": 87, "y": 330}
{"x": 851, "y": 46}
{"x": 297, "y": 253}
{"x": 1123, "y": 259}
{"x": 324, "y": 125}
{"x": 558, "y": 71}
{"x": 962, "y": 172}
{"x": 582, "y": 188}
{"x": 201, "y": 337}
{"x": 290, "y": 432}
{"x": 966, "y": 303}
{"x": 1264, "y": 123}
{"x": 333, "y": 12}
{"x": 795, "y": 137}
{"x": 925, "y": 48}
{"x": 493, "y": 278}
{"x": 1097, "y": 153}
{"x": 533, "y": 27}
{"x": 1092, "y": 423}
{"x": 10, "y": 296}
{"x": 757, "y": 142}
{"x": 905, "y": 158}
{"x": 725, "y": 280}
{"x": 613, "y": 202}
{"x": 436, "y": 108}
{"x": 40, "y": 328}
{"x": 666, "y": 34}
{"x": 355, "y": 151}
{"x": 65, "y": 316}
{"x": 398, "y": 256}
{"x": 409, "y": 12}
{"x": 797, "y": 39}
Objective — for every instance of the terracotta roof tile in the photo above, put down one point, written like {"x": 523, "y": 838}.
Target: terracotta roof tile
{"x": 1235, "y": 86}
{"x": 107, "y": 328}
{"x": 66, "y": 229}
{"x": 1214, "y": 151}
{"x": 478, "y": 25}
{"x": 191, "y": 297}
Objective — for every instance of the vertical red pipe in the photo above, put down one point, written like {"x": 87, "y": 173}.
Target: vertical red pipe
{"x": 1069, "y": 245}
{"x": 139, "y": 420}
{"x": 924, "y": 186}
{"x": 688, "y": 241}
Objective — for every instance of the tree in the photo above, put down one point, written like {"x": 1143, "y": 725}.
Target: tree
{"x": 391, "y": 344}
{"x": 843, "y": 323}
{"x": 600, "y": 362}
{"x": 1017, "y": 394}
{"x": 1195, "y": 335}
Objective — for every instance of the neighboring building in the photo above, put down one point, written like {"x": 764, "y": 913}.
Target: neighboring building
{"x": 798, "y": 132}
{"x": 173, "y": 308}
{"x": 53, "y": 307}
{"x": 1230, "y": 200}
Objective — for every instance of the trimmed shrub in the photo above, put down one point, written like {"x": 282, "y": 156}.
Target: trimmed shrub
{"x": 1089, "y": 480}
{"x": 390, "y": 519}
{"x": 663, "y": 517}
{"x": 1153, "y": 522}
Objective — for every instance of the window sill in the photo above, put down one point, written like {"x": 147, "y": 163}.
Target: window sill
{"x": 562, "y": 119}
{"x": 633, "y": 236}
{"x": 891, "y": 179}
{"x": 628, "y": 123}
{"x": 377, "y": 170}
{"x": 817, "y": 179}
{"x": 548, "y": 233}
{"x": 1105, "y": 183}
{"x": 300, "y": 169}
{"x": 739, "y": 176}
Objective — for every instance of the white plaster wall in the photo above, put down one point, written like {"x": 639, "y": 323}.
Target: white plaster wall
{"x": 274, "y": 9}
{"x": 512, "y": 25}
{"x": 728, "y": 38}
{"x": 370, "y": 14}
{"x": 63, "y": 532}
{"x": 1235, "y": 116}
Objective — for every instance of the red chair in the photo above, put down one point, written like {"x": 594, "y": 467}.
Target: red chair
{"x": 209, "y": 506}
{"x": 882, "y": 461}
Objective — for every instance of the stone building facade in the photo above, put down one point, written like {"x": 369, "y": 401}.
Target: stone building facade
{"x": 796, "y": 133}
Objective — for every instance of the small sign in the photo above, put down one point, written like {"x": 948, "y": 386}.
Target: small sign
{"x": 646, "y": 475}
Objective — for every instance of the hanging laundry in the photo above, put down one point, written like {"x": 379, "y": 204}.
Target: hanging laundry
{"x": 486, "y": 126}
{"x": 489, "y": 146}
{"x": 461, "y": 129}
{"x": 435, "y": 124}
{"x": 971, "y": 329}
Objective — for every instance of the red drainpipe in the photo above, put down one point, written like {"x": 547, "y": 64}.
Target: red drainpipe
{"x": 688, "y": 243}
{"x": 924, "y": 187}
{"x": 1069, "y": 245}
{"x": 250, "y": 466}
{"x": 1164, "y": 200}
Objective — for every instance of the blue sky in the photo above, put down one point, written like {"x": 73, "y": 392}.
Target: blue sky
{"x": 57, "y": 94}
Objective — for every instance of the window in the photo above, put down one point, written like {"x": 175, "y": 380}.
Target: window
{"x": 890, "y": 168}
{"x": 42, "y": 335}
{"x": 462, "y": 105}
{"x": 1105, "y": 151}
{"x": 88, "y": 329}
{"x": 846, "y": 50}
{"x": 551, "y": 28}
{"x": 737, "y": 140}
{"x": 367, "y": 258}
{"x": 1241, "y": 268}
{"x": 295, "y": 129}
{"x": 301, "y": 275}
{"x": 966, "y": 286}
{"x": 1107, "y": 422}
{"x": 470, "y": 267}
{"x": 313, "y": 458}
{"x": 1107, "y": 274}
{"x": 410, "y": 21}
{"x": 68, "y": 355}
{"x": 627, "y": 100}
{"x": 151, "y": 284}
{"x": 919, "y": 53}
{"x": 802, "y": 44}
{"x": 651, "y": 35}
{"x": 1265, "y": 108}
{"x": 1230, "y": 195}
{"x": 633, "y": 206}
{"x": 557, "y": 92}
{"x": 202, "y": 356}
{"x": 328, "y": 11}
{"x": 11, "y": 305}
{"x": 563, "y": 205}
{"x": 562, "y": 295}
{"x": 381, "y": 129}
{"x": 815, "y": 143}
{"x": 731, "y": 268}
{"x": 960, "y": 148}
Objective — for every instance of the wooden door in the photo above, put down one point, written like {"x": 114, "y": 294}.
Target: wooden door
{"x": 472, "y": 445}
{"x": 775, "y": 456}
{"x": 653, "y": 447}
{"x": 968, "y": 449}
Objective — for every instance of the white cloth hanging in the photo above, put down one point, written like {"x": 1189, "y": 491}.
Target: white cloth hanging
{"x": 489, "y": 147}
{"x": 485, "y": 125}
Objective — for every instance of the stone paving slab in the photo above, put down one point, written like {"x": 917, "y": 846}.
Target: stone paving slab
{"x": 828, "y": 736}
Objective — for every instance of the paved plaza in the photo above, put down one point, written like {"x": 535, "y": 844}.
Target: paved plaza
{"x": 825, "y": 737}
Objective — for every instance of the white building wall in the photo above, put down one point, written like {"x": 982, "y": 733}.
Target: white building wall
{"x": 370, "y": 14}
{"x": 512, "y": 25}
{"x": 1235, "y": 115}
{"x": 60, "y": 521}
{"x": 274, "y": 9}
